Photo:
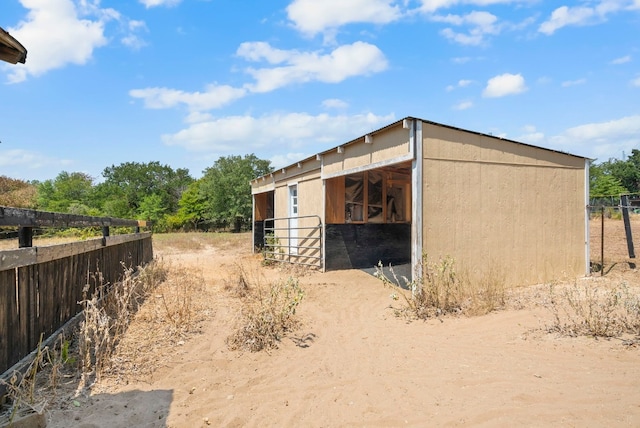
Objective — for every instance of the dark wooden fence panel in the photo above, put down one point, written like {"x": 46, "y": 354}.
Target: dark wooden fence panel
{"x": 41, "y": 287}
{"x": 8, "y": 316}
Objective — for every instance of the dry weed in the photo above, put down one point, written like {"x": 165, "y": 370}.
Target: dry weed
{"x": 28, "y": 391}
{"x": 440, "y": 290}
{"x": 267, "y": 315}
{"x": 174, "y": 311}
{"x": 107, "y": 314}
{"x": 594, "y": 311}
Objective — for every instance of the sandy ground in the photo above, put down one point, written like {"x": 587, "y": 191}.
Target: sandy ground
{"x": 354, "y": 363}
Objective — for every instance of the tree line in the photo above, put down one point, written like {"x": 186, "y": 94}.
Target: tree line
{"x": 171, "y": 199}
{"x": 615, "y": 177}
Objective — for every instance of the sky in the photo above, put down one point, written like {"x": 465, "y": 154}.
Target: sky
{"x": 184, "y": 82}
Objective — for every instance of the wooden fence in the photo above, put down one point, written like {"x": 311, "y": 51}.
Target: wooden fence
{"x": 41, "y": 287}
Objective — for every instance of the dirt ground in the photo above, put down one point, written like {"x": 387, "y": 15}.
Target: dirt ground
{"x": 354, "y": 363}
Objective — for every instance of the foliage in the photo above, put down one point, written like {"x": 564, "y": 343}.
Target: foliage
{"x": 127, "y": 185}
{"x": 192, "y": 208}
{"x": 66, "y": 190}
{"x": 604, "y": 184}
{"x": 615, "y": 176}
{"x": 17, "y": 193}
{"x": 170, "y": 198}
{"x": 226, "y": 191}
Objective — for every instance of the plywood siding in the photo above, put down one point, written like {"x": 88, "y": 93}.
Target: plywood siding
{"x": 493, "y": 204}
{"x": 262, "y": 185}
{"x": 309, "y": 204}
{"x": 388, "y": 145}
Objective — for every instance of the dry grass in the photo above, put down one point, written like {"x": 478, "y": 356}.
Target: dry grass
{"x": 193, "y": 241}
{"x": 597, "y": 311}
{"x": 108, "y": 313}
{"x": 174, "y": 311}
{"x": 267, "y": 312}
{"x": 168, "y": 303}
{"x": 442, "y": 290}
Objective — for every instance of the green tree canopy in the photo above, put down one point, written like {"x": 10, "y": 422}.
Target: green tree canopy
{"x": 192, "y": 207}
{"x": 127, "y": 185}
{"x": 66, "y": 190}
{"x": 226, "y": 189}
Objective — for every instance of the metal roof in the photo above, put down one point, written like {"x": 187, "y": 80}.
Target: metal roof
{"x": 10, "y": 49}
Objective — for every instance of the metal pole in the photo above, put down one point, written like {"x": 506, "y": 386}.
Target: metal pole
{"x": 602, "y": 241}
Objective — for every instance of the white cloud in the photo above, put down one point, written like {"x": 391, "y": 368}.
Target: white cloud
{"x": 584, "y": 15}
{"x": 346, "y": 61}
{"x": 531, "y": 136}
{"x": 481, "y": 23}
{"x": 292, "y": 130}
{"x": 601, "y": 140}
{"x": 461, "y": 84}
{"x": 55, "y": 34}
{"x": 504, "y": 84}
{"x": 622, "y": 60}
{"x": 568, "y": 83}
{"x": 215, "y": 96}
{"x": 155, "y": 3}
{"x": 28, "y": 159}
{"x": 280, "y": 161}
{"x": 636, "y": 82}
{"x": 259, "y": 51}
{"x": 430, "y": 6}
{"x": 334, "y": 103}
{"x": 312, "y": 17}
{"x": 464, "y": 105}
{"x": 132, "y": 40}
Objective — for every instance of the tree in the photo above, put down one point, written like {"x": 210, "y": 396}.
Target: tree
{"x": 627, "y": 172}
{"x": 127, "y": 185}
{"x": 226, "y": 189}
{"x": 66, "y": 190}
{"x": 192, "y": 207}
{"x": 17, "y": 193}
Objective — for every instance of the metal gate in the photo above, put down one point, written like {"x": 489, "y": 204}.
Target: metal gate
{"x": 286, "y": 242}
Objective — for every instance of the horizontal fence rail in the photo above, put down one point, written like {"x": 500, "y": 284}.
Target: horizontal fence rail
{"x": 285, "y": 241}
{"x": 41, "y": 287}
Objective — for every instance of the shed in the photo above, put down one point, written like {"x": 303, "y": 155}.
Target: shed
{"x": 417, "y": 187}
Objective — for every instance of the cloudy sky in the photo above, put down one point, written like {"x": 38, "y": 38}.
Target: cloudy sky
{"x": 184, "y": 82}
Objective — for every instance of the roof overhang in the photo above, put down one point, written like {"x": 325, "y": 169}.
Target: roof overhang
{"x": 10, "y": 49}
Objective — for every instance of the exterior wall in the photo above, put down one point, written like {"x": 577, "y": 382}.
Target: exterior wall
{"x": 309, "y": 204}
{"x": 494, "y": 204}
{"x": 388, "y": 146}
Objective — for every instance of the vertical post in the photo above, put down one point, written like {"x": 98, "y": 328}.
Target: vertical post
{"x": 602, "y": 241}
{"x": 25, "y": 237}
{"x": 105, "y": 235}
{"x": 624, "y": 205}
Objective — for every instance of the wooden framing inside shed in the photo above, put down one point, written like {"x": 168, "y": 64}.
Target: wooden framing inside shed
{"x": 417, "y": 187}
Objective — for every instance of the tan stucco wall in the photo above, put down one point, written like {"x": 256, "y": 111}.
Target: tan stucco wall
{"x": 490, "y": 203}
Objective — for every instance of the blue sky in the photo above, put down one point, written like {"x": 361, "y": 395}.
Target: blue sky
{"x": 184, "y": 82}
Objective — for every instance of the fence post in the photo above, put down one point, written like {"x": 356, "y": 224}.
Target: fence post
{"x": 105, "y": 235}
{"x": 25, "y": 237}
{"x": 624, "y": 205}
